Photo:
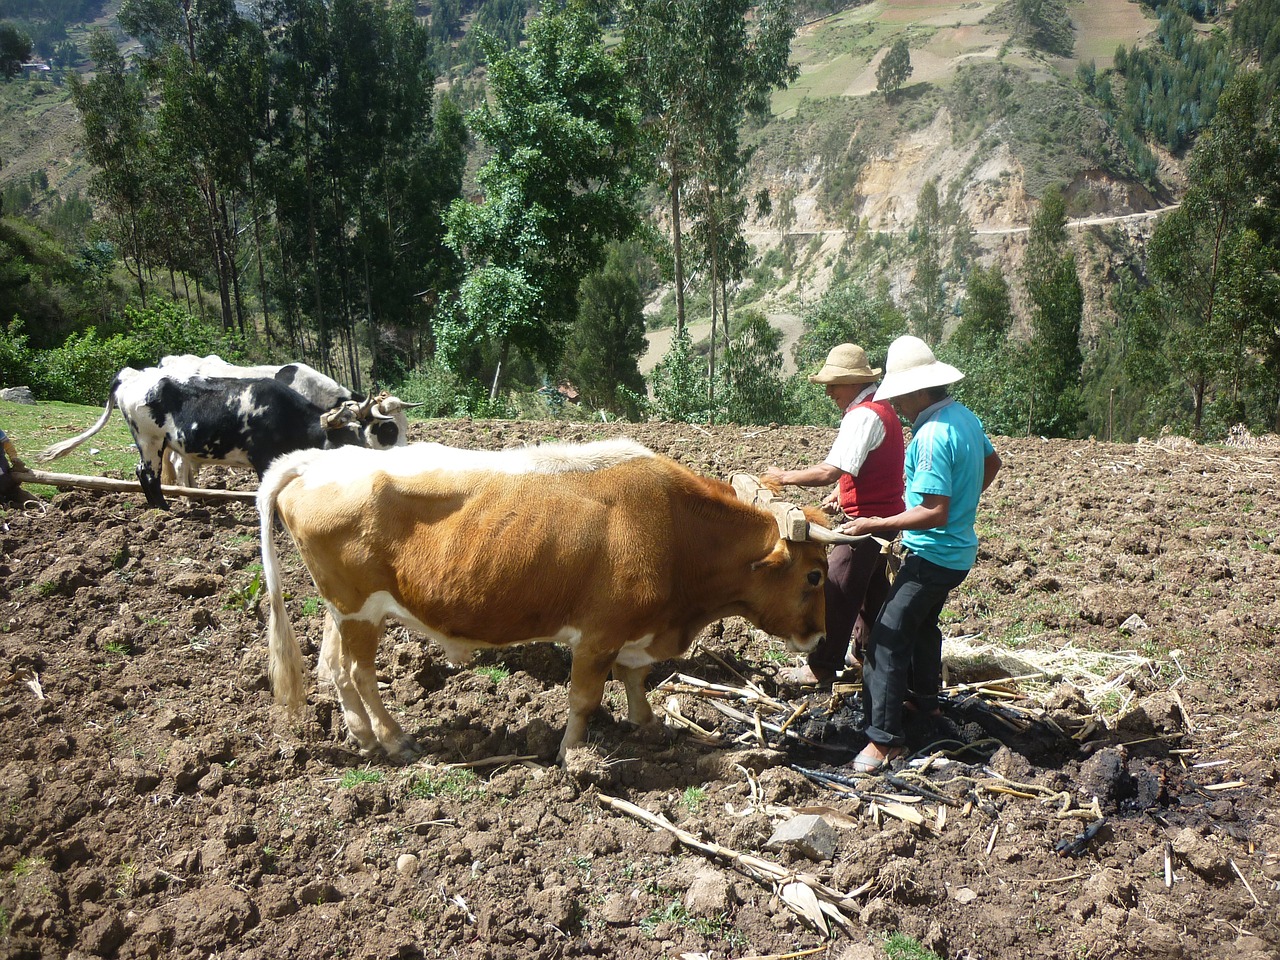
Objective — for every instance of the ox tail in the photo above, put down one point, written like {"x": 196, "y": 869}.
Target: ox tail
{"x": 284, "y": 658}
{"x": 66, "y": 446}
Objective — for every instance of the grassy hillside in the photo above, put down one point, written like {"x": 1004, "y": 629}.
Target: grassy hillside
{"x": 39, "y": 134}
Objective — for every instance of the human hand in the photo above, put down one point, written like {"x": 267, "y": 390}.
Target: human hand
{"x": 859, "y": 527}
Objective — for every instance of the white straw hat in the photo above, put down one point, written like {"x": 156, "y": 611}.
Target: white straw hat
{"x": 911, "y": 366}
{"x": 846, "y": 363}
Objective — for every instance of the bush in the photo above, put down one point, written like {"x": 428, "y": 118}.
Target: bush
{"x": 15, "y": 356}
{"x": 82, "y": 369}
{"x": 434, "y": 386}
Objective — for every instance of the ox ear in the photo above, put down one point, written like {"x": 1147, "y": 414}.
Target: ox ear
{"x": 779, "y": 558}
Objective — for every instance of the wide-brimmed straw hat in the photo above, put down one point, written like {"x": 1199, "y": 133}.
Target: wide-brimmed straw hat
{"x": 846, "y": 363}
{"x": 911, "y": 366}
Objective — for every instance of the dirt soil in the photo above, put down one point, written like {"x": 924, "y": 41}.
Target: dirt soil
{"x": 153, "y": 804}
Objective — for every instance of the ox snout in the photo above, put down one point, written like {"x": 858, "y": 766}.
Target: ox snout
{"x": 805, "y": 643}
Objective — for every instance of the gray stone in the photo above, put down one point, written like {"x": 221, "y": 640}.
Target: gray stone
{"x": 18, "y": 395}
{"x": 810, "y": 834}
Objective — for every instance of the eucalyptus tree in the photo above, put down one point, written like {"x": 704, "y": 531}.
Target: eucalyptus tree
{"x": 561, "y": 182}
{"x": 894, "y": 69}
{"x": 1210, "y": 318}
{"x": 702, "y": 67}
{"x": 206, "y": 62}
{"x": 112, "y": 106}
{"x": 1056, "y": 301}
{"x": 355, "y": 168}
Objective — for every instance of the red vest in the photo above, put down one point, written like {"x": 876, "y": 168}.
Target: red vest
{"x": 877, "y": 489}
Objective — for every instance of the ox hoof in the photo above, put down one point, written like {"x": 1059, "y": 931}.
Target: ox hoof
{"x": 405, "y": 750}
{"x": 654, "y": 733}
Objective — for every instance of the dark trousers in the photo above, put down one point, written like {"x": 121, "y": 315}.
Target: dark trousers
{"x": 906, "y": 647}
{"x": 856, "y": 582}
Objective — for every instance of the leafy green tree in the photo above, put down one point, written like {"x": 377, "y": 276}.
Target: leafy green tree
{"x": 15, "y": 50}
{"x": 560, "y": 184}
{"x": 928, "y": 292}
{"x": 847, "y": 313}
{"x": 741, "y": 51}
{"x": 895, "y": 67}
{"x": 679, "y": 384}
{"x": 1056, "y": 301}
{"x": 995, "y": 385}
{"x": 1210, "y": 316}
{"x": 608, "y": 337}
{"x": 112, "y": 106}
{"x": 755, "y": 390}
{"x": 986, "y": 315}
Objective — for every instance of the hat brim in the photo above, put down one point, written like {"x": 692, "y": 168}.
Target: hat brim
{"x": 936, "y": 374}
{"x": 823, "y": 377}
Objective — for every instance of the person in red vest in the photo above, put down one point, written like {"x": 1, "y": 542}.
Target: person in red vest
{"x": 866, "y": 464}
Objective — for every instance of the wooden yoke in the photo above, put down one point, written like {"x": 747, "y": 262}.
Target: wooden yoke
{"x": 792, "y": 523}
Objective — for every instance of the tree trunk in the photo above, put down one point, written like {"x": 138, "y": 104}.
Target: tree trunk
{"x": 677, "y": 251}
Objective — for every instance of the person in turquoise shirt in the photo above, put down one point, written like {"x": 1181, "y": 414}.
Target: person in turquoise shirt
{"x": 949, "y": 462}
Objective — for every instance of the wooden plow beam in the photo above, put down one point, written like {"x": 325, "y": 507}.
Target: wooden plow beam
{"x": 109, "y": 485}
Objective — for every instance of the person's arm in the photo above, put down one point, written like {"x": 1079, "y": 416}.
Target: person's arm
{"x": 818, "y": 475}
{"x": 990, "y": 467}
{"x": 933, "y": 511}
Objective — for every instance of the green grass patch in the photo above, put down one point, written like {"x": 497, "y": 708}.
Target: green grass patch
{"x": 32, "y": 427}
{"x": 353, "y": 778}
{"x": 898, "y": 946}
{"x": 457, "y": 784}
{"x": 495, "y": 673}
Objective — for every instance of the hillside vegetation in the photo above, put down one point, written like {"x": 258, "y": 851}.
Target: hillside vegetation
{"x": 884, "y": 202}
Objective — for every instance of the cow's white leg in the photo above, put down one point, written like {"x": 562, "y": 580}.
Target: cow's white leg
{"x": 586, "y": 690}
{"x": 335, "y": 667}
{"x": 639, "y": 711}
{"x": 360, "y": 646}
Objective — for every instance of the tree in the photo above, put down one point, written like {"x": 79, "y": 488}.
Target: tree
{"x": 754, "y": 389}
{"x": 1211, "y": 317}
{"x": 608, "y": 337}
{"x": 847, "y": 313}
{"x": 112, "y": 106}
{"x": 15, "y": 50}
{"x": 679, "y": 384}
{"x": 1057, "y": 306}
{"x": 894, "y": 68}
{"x": 564, "y": 130}
{"x": 741, "y": 52}
{"x": 986, "y": 315}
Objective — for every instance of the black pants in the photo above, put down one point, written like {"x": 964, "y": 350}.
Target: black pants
{"x": 906, "y": 643}
{"x": 856, "y": 582}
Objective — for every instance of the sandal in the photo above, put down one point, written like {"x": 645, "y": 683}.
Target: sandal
{"x": 875, "y": 758}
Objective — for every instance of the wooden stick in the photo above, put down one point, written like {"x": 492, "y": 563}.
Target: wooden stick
{"x": 110, "y": 485}
{"x": 995, "y": 830}
{"x": 1244, "y": 881}
{"x": 753, "y": 866}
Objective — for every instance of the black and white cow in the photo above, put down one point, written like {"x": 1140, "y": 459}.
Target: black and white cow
{"x": 321, "y": 390}
{"x": 233, "y": 421}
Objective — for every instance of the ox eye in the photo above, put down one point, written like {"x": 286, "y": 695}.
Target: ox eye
{"x": 815, "y": 577}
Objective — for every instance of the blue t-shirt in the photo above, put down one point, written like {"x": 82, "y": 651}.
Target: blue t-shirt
{"x": 946, "y": 457}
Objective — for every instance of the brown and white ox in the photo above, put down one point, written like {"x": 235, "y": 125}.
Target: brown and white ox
{"x": 620, "y": 553}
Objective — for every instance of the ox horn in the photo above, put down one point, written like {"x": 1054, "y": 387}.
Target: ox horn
{"x": 822, "y": 534}
{"x": 339, "y": 416}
